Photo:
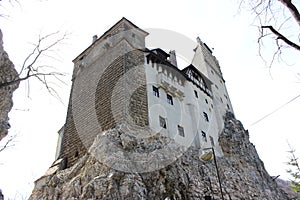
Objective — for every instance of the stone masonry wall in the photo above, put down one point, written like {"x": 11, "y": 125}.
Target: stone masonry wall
{"x": 120, "y": 98}
{"x": 242, "y": 173}
{"x": 72, "y": 147}
{"x": 136, "y": 95}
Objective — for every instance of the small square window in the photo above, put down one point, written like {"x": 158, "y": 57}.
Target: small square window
{"x": 180, "y": 131}
{"x": 196, "y": 94}
{"x": 155, "y": 91}
{"x": 204, "y": 136}
{"x": 170, "y": 99}
{"x": 212, "y": 141}
{"x": 162, "y": 122}
{"x": 205, "y": 116}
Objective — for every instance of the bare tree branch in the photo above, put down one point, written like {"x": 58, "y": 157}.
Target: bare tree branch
{"x": 8, "y": 143}
{"x": 29, "y": 76}
{"x": 30, "y": 68}
{"x": 292, "y": 8}
{"x": 275, "y": 20}
{"x": 282, "y": 37}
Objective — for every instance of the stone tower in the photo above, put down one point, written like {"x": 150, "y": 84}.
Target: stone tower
{"x": 119, "y": 82}
{"x": 205, "y": 62}
{"x": 99, "y": 99}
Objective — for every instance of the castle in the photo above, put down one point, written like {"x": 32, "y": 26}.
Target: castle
{"x": 117, "y": 81}
{"x": 132, "y": 112}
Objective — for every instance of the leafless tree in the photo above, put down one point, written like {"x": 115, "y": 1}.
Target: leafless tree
{"x": 36, "y": 65}
{"x": 8, "y": 143}
{"x": 33, "y": 66}
{"x": 278, "y": 20}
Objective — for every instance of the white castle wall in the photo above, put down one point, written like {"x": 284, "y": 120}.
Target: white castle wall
{"x": 186, "y": 111}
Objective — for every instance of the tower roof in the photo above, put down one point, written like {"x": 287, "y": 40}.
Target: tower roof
{"x": 122, "y": 25}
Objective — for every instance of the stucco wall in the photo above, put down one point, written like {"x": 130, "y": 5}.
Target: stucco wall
{"x": 186, "y": 111}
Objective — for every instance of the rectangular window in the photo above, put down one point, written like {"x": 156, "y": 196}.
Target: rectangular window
{"x": 155, "y": 91}
{"x": 212, "y": 141}
{"x": 204, "y": 136}
{"x": 170, "y": 99}
{"x": 205, "y": 116}
{"x": 196, "y": 94}
{"x": 162, "y": 122}
{"x": 180, "y": 131}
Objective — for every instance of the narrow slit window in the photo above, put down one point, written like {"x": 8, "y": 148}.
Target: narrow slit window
{"x": 204, "y": 136}
{"x": 205, "y": 116}
{"x": 196, "y": 94}
{"x": 212, "y": 141}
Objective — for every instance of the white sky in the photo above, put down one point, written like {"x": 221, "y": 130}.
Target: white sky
{"x": 252, "y": 90}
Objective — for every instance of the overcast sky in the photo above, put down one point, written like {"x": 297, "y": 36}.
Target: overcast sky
{"x": 253, "y": 91}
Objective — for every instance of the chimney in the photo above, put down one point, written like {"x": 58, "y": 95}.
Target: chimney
{"x": 199, "y": 41}
{"x": 95, "y": 37}
{"x": 173, "y": 60}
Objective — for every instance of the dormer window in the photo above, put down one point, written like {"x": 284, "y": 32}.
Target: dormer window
{"x": 198, "y": 80}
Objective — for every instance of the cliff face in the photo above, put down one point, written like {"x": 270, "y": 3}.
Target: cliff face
{"x": 181, "y": 174}
{"x": 7, "y": 74}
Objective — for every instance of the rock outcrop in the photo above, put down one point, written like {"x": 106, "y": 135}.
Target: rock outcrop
{"x": 1, "y": 195}
{"x": 181, "y": 176}
{"x": 7, "y": 74}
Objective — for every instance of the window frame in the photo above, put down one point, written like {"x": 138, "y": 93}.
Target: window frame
{"x": 155, "y": 91}
{"x": 180, "y": 130}
{"x": 170, "y": 99}
{"x": 162, "y": 122}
